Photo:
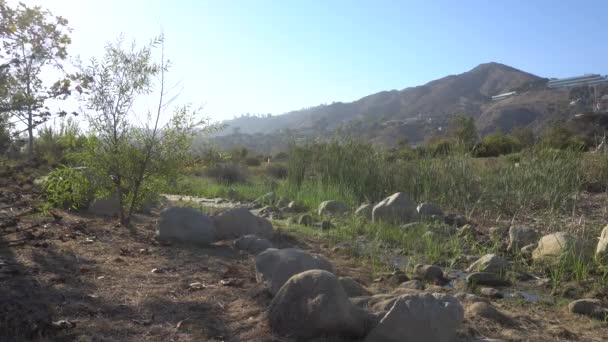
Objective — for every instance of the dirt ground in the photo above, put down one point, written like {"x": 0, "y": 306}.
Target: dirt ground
{"x": 73, "y": 277}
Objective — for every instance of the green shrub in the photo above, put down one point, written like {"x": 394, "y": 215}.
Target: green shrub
{"x": 55, "y": 144}
{"x": 253, "y": 161}
{"x": 277, "y": 171}
{"x": 496, "y": 144}
{"x": 68, "y": 187}
{"x": 226, "y": 174}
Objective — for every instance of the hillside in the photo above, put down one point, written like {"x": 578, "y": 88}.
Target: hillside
{"x": 417, "y": 112}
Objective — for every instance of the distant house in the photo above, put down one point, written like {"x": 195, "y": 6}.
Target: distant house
{"x": 503, "y": 96}
{"x": 587, "y": 79}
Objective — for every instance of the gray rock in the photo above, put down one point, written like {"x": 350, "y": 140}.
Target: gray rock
{"x": 470, "y": 298}
{"x": 252, "y": 244}
{"x": 588, "y": 307}
{"x": 555, "y": 245}
{"x": 275, "y": 266}
{"x": 526, "y": 251}
{"x": 107, "y": 206}
{"x": 397, "y": 209}
{"x": 306, "y": 220}
{"x": 267, "y": 211}
{"x": 282, "y": 202}
{"x": 520, "y": 236}
{"x": 486, "y": 278}
{"x": 186, "y": 225}
{"x": 333, "y": 208}
{"x": 412, "y": 284}
{"x": 490, "y": 292}
{"x": 420, "y": 317}
{"x": 313, "y": 304}
{"x": 489, "y": 263}
{"x": 353, "y": 288}
{"x": 429, "y": 209}
{"x": 296, "y": 206}
{"x": 601, "y": 250}
{"x": 364, "y": 211}
{"x": 267, "y": 199}
{"x": 238, "y": 222}
{"x": 430, "y": 273}
{"x": 486, "y": 311}
{"x": 455, "y": 220}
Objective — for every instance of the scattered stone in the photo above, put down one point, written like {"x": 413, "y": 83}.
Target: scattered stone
{"x": 490, "y": 292}
{"x": 313, "y": 304}
{"x": 486, "y": 279}
{"x": 489, "y": 263}
{"x": 364, "y": 211}
{"x": 353, "y": 288}
{"x": 486, "y": 311}
{"x": 602, "y": 246}
{"x": 238, "y": 222}
{"x": 332, "y": 207}
{"x": 306, "y": 220}
{"x": 557, "y": 244}
{"x": 196, "y": 286}
{"x": 430, "y": 273}
{"x": 470, "y": 298}
{"x": 397, "y": 209}
{"x": 420, "y": 317}
{"x": 275, "y": 266}
{"x": 520, "y": 236}
{"x": 186, "y": 225}
{"x": 63, "y": 324}
{"x": 588, "y": 307}
{"x": 107, "y": 206}
{"x": 413, "y": 285}
{"x": 429, "y": 209}
{"x": 296, "y": 206}
{"x": 252, "y": 244}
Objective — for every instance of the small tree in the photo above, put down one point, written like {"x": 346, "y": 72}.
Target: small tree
{"x": 524, "y": 135}
{"x": 464, "y": 130}
{"x": 32, "y": 39}
{"x": 138, "y": 158}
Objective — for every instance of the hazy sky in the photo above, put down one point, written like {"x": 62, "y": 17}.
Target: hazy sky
{"x": 275, "y": 56}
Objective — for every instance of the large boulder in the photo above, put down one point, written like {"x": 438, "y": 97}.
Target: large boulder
{"x": 491, "y": 263}
{"x": 238, "y": 222}
{"x": 252, "y": 244}
{"x": 556, "y": 245}
{"x": 188, "y": 225}
{"x": 106, "y": 206}
{"x": 332, "y": 207}
{"x": 364, "y": 211}
{"x": 275, "y": 266}
{"x": 521, "y": 236}
{"x": 397, "y": 208}
{"x": 420, "y": 317}
{"x": 601, "y": 250}
{"x": 429, "y": 210}
{"x": 353, "y": 288}
{"x": 313, "y": 304}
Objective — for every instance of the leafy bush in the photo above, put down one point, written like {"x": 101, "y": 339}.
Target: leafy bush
{"x": 226, "y": 174}
{"x": 68, "y": 187}
{"x": 276, "y": 171}
{"x": 560, "y": 137}
{"x": 496, "y": 144}
{"x": 55, "y": 144}
{"x": 253, "y": 161}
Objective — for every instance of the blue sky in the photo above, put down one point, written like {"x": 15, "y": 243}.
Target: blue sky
{"x": 274, "y": 56}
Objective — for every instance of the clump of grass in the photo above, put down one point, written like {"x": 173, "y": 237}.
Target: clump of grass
{"x": 227, "y": 174}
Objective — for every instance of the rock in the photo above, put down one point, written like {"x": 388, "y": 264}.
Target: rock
{"x": 306, "y": 220}
{"x": 429, "y": 209}
{"x": 275, "y": 266}
{"x": 296, "y": 206}
{"x": 238, "y": 222}
{"x": 556, "y": 245}
{"x": 267, "y": 211}
{"x": 266, "y": 199}
{"x": 526, "y": 251}
{"x": 420, "y": 317}
{"x": 107, "y": 206}
{"x": 430, "y": 273}
{"x": 313, "y": 304}
{"x": 470, "y": 298}
{"x": 520, "y": 236}
{"x": 490, "y": 292}
{"x": 486, "y": 311}
{"x": 282, "y": 202}
{"x": 602, "y": 245}
{"x": 489, "y": 263}
{"x": 397, "y": 209}
{"x": 186, "y": 225}
{"x": 486, "y": 278}
{"x": 325, "y": 225}
{"x": 353, "y": 288}
{"x": 364, "y": 211}
{"x": 333, "y": 208}
{"x": 588, "y": 307}
{"x": 455, "y": 220}
{"x": 412, "y": 284}
{"x": 252, "y": 244}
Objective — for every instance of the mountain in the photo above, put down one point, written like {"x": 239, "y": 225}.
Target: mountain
{"x": 416, "y": 113}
